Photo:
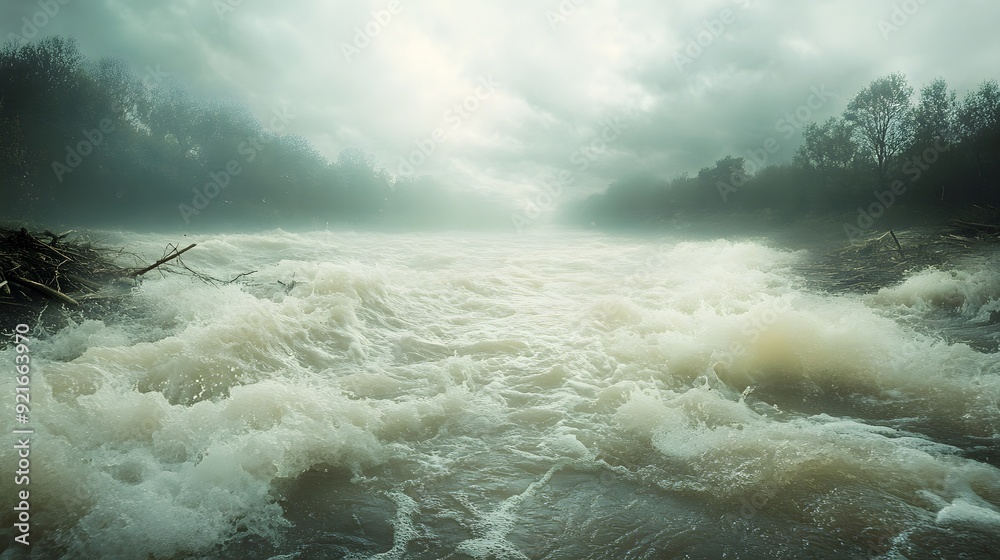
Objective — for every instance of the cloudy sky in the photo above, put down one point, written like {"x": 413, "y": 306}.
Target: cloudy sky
{"x": 504, "y": 96}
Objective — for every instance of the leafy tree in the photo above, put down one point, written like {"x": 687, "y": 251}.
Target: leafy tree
{"x": 979, "y": 110}
{"x": 729, "y": 170}
{"x": 364, "y": 186}
{"x": 882, "y": 115}
{"x": 44, "y": 107}
{"x": 13, "y": 164}
{"x": 934, "y": 118}
{"x": 218, "y": 130}
{"x": 121, "y": 89}
{"x": 172, "y": 120}
{"x": 979, "y": 123}
{"x": 829, "y": 149}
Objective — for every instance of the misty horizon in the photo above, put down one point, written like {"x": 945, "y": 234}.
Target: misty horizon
{"x": 697, "y": 84}
{"x": 570, "y": 280}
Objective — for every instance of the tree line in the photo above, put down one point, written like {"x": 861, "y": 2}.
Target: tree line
{"x": 891, "y": 150}
{"x": 91, "y": 143}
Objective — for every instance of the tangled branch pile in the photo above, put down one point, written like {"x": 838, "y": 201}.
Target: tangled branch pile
{"x": 40, "y": 268}
{"x": 872, "y": 263}
{"x": 982, "y": 223}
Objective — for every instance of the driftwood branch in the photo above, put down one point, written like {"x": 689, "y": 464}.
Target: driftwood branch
{"x": 241, "y": 275}
{"x": 976, "y": 225}
{"x": 171, "y": 257}
{"x": 56, "y": 238}
{"x": 43, "y": 289}
{"x": 898, "y": 246}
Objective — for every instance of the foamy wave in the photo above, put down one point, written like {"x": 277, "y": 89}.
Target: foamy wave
{"x": 974, "y": 295}
{"x": 454, "y": 379}
{"x": 763, "y": 463}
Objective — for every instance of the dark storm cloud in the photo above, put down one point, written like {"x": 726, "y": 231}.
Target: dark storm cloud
{"x": 399, "y": 79}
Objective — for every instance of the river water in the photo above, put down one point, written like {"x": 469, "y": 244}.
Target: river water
{"x": 554, "y": 394}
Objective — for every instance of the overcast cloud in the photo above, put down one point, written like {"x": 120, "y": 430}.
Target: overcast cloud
{"x": 562, "y": 74}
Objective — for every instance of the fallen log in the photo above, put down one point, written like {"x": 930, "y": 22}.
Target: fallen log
{"x": 44, "y": 290}
{"x": 976, "y": 226}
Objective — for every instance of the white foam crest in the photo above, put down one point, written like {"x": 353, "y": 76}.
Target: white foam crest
{"x": 168, "y": 478}
{"x": 769, "y": 332}
{"x": 73, "y": 340}
{"x": 975, "y": 295}
{"x": 436, "y": 355}
{"x": 965, "y": 514}
{"x": 491, "y": 528}
{"x": 732, "y": 454}
{"x": 130, "y": 470}
{"x": 404, "y": 529}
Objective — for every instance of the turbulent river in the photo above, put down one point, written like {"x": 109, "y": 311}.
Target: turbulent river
{"x": 554, "y": 394}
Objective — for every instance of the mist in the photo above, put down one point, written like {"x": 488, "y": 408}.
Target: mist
{"x": 132, "y": 156}
{"x": 579, "y": 279}
{"x": 714, "y": 117}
